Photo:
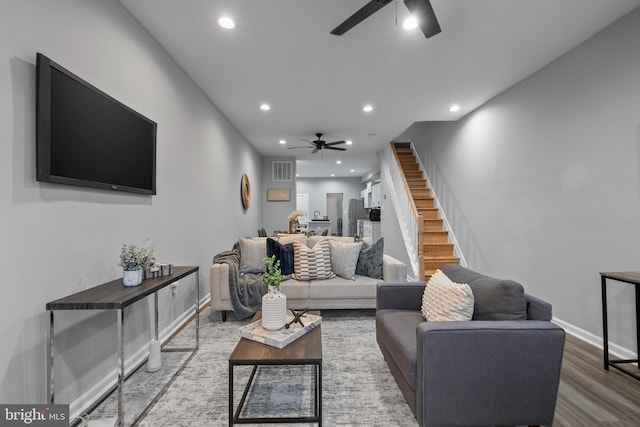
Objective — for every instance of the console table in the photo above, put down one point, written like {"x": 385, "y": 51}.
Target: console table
{"x": 633, "y": 278}
{"x": 115, "y": 296}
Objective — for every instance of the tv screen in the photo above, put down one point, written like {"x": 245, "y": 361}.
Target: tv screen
{"x": 85, "y": 137}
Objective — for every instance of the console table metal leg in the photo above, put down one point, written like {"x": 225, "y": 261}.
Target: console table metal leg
{"x": 197, "y": 310}
{"x": 638, "y": 325}
{"x": 605, "y": 328}
{"x": 155, "y": 300}
{"x": 120, "y": 349}
{"x": 50, "y": 373}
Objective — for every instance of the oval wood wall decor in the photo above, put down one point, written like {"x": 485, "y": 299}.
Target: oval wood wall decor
{"x": 245, "y": 191}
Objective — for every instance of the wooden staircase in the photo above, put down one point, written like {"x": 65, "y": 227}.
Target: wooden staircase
{"x": 435, "y": 251}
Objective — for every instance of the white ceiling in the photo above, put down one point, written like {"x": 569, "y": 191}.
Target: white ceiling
{"x": 281, "y": 52}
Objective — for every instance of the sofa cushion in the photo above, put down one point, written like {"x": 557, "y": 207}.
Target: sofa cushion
{"x": 312, "y": 263}
{"x": 313, "y": 240}
{"x": 340, "y": 288}
{"x": 445, "y": 300}
{"x": 494, "y": 299}
{"x": 283, "y": 253}
{"x": 252, "y": 253}
{"x": 370, "y": 259}
{"x": 295, "y": 290}
{"x": 290, "y": 238}
{"x": 344, "y": 257}
{"x": 396, "y": 331}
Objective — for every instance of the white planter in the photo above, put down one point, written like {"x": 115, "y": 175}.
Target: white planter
{"x": 132, "y": 277}
{"x": 274, "y": 310}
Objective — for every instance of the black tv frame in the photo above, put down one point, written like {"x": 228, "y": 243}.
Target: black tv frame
{"x": 44, "y": 65}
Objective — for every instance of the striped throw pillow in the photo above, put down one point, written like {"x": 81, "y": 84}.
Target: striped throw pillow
{"x": 312, "y": 263}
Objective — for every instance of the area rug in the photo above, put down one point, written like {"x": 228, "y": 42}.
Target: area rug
{"x": 358, "y": 389}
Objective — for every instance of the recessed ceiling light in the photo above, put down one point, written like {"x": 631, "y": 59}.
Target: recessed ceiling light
{"x": 410, "y": 23}
{"x": 282, "y": 141}
{"x": 333, "y": 174}
{"x": 338, "y": 162}
{"x": 367, "y": 108}
{"x": 265, "y": 107}
{"x": 349, "y": 142}
{"x": 352, "y": 170}
{"x": 454, "y": 108}
{"x": 226, "y": 23}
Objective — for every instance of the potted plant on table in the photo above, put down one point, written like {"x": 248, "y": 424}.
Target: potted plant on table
{"x": 134, "y": 261}
{"x": 274, "y": 303}
{"x": 293, "y": 216}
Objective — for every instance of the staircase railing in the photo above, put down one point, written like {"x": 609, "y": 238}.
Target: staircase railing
{"x": 410, "y": 220}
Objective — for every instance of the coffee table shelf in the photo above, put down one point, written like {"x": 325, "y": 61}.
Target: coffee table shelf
{"x": 306, "y": 350}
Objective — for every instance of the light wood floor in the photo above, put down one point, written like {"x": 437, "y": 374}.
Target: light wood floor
{"x": 591, "y": 396}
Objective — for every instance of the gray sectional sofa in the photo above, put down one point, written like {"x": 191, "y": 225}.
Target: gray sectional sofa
{"x": 334, "y": 293}
{"x": 500, "y": 368}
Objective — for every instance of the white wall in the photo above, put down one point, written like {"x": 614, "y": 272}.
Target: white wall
{"x": 318, "y": 189}
{"x": 57, "y": 240}
{"x": 542, "y": 184}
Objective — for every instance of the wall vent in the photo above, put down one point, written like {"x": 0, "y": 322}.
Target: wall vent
{"x": 282, "y": 170}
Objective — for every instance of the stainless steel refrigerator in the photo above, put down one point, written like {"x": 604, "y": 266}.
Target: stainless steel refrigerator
{"x": 356, "y": 211}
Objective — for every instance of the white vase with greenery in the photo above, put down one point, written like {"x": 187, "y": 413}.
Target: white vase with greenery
{"x": 274, "y": 302}
{"x": 134, "y": 261}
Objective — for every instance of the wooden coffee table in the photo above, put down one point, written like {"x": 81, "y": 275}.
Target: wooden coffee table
{"x": 306, "y": 350}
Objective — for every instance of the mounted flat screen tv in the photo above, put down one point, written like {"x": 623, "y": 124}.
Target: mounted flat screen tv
{"x": 85, "y": 137}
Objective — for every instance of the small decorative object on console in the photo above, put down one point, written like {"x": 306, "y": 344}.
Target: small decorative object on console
{"x": 134, "y": 261}
{"x": 158, "y": 269}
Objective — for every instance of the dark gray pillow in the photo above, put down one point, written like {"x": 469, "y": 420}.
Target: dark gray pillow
{"x": 494, "y": 299}
{"x": 370, "y": 259}
{"x": 283, "y": 253}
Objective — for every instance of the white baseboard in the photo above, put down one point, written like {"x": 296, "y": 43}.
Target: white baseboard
{"x": 586, "y": 336}
{"x": 78, "y": 405}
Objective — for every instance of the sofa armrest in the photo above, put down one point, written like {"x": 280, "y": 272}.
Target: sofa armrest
{"x": 402, "y": 296}
{"x": 537, "y": 309}
{"x": 219, "y": 282}
{"x": 393, "y": 270}
{"x": 520, "y": 360}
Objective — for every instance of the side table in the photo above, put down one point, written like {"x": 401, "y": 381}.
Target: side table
{"x": 633, "y": 278}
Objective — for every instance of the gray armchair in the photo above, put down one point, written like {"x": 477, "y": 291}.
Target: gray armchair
{"x": 470, "y": 373}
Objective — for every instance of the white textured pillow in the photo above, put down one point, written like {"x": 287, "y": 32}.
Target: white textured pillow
{"x": 344, "y": 258}
{"x": 312, "y": 263}
{"x": 445, "y": 300}
{"x": 252, "y": 254}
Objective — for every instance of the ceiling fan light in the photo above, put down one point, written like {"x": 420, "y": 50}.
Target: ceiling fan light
{"x": 367, "y": 108}
{"x": 454, "y": 108}
{"x": 411, "y": 23}
{"x": 226, "y": 23}
{"x": 265, "y": 107}
{"x": 338, "y": 162}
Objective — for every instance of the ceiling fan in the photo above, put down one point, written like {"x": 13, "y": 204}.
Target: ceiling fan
{"x": 319, "y": 145}
{"x": 421, "y": 10}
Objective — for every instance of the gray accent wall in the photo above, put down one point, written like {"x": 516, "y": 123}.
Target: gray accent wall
{"x": 542, "y": 183}
{"x": 57, "y": 240}
{"x": 275, "y": 214}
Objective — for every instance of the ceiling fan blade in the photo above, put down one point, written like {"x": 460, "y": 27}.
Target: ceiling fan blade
{"x": 424, "y": 14}
{"x": 293, "y": 148}
{"x": 335, "y": 143}
{"x": 315, "y": 150}
{"x": 335, "y": 148}
{"x": 363, "y": 13}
